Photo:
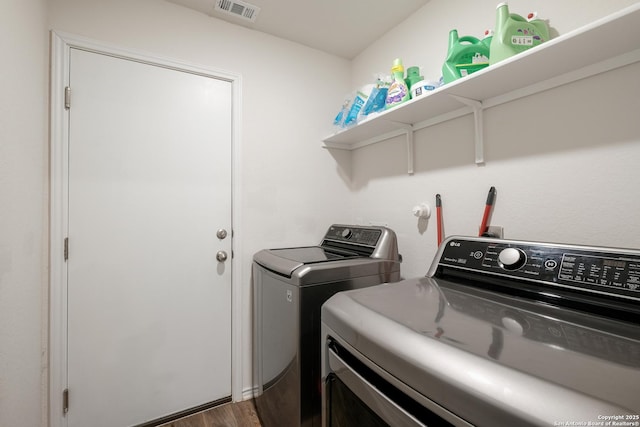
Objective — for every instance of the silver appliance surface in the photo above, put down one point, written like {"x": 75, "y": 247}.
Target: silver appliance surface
{"x": 345, "y": 251}
{"x": 289, "y": 287}
{"x": 541, "y": 334}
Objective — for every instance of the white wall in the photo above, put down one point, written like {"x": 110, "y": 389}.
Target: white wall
{"x": 564, "y": 162}
{"x": 23, "y": 173}
{"x": 291, "y": 188}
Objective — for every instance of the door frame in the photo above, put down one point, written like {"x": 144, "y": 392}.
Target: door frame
{"x": 56, "y": 342}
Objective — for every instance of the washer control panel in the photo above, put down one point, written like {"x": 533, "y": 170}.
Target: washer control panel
{"x": 603, "y": 270}
{"x": 354, "y": 234}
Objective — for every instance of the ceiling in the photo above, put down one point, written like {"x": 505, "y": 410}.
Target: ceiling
{"x": 339, "y": 27}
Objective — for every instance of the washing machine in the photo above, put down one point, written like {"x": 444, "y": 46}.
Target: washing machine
{"x": 289, "y": 287}
{"x": 499, "y": 333}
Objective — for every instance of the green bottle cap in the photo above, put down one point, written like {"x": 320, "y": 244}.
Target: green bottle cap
{"x": 413, "y": 71}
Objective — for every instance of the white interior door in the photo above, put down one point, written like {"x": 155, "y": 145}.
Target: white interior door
{"x": 149, "y": 306}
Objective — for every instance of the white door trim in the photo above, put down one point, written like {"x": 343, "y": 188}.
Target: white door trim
{"x": 61, "y": 44}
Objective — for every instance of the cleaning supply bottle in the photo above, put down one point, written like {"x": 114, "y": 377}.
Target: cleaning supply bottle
{"x": 378, "y": 96}
{"x": 413, "y": 76}
{"x": 515, "y": 34}
{"x": 465, "y": 55}
{"x": 398, "y": 91}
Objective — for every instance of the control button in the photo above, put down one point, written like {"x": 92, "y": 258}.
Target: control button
{"x": 346, "y": 233}
{"x": 512, "y": 258}
{"x": 477, "y": 254}
{"x": 550, "y": 264}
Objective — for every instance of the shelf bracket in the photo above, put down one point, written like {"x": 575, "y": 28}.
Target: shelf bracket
{"x": 407, "y": 129}
{"x": 477, "y": 108}
{"x": 409, "y": 132}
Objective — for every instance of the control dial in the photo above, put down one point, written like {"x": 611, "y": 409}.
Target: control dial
{"x": 512, "y": 258}
{"x": 346, "y": 233}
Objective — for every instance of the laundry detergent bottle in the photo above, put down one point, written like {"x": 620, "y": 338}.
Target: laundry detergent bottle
{"x": 413, "y": 76}
{"x": 465, "y": 55}
{"x": 398, "y": 91}
{"x": 515, "y": 34}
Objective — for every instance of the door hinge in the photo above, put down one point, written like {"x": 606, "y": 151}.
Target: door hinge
{"x": 67, "y": 98}
{"x": 66, "y": 248}
{"x": 65, "y": 401}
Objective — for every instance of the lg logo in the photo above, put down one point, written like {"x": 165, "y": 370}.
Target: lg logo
{"x": 456, "y": 244}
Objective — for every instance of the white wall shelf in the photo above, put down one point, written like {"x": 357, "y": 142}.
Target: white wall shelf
{"x": 604, "y": 45}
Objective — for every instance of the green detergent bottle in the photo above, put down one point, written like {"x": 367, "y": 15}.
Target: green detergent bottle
{"x": 398, "y": 91}
{"x": 466, "y": 55}
{"x": 515, "y": 34}
{"x": 413, "y": 76}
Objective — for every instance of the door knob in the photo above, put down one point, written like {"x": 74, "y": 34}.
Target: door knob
{"x": 221, "y": 234}
{"x": 221, "y": 256}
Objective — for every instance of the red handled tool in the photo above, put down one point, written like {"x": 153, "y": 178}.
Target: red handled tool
{"x": 484, "y": 225}
{"x": 439, "y": 217}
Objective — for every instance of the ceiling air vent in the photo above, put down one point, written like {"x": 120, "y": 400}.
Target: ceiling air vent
{"x": 238, "y": 8}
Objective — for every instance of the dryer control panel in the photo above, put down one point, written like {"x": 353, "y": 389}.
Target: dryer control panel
{"x": 593, "y": 269}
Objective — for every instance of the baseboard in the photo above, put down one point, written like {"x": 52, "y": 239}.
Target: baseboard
{"x": 249, "y": 393}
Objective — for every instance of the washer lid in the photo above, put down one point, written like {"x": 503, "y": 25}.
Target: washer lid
{"x": 486, "y": 357}
{"x": 286, "y": 260}
{"x": 312, "y": 254}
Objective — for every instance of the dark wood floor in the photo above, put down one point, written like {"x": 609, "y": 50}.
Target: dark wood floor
{"x": 241, "y": 414}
